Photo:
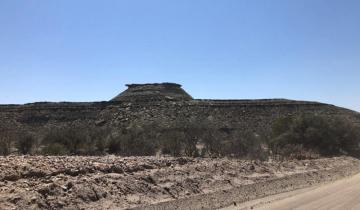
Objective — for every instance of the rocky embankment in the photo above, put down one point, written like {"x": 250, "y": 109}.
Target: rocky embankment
{"x": 110, "y": 182}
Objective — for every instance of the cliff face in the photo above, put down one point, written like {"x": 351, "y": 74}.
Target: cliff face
{"x": 160, "y": 104}
{"x": 39, "y": 116}
{"x": 254, "y": 115}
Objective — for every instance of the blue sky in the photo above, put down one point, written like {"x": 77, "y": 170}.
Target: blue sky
{"x": 88, "y": 50}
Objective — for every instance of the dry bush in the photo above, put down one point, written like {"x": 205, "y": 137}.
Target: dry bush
{"x": 295, "y": 151}
{"x": 75, "y": 140}
{"x": 171, "y": 142}
{"x": 134, "y": 141}
{"x": 24, "y": 143}
{"x": 327, "y": 136}
{"x": 5, "y": 143}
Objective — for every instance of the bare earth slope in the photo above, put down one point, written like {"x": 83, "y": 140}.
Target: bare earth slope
{"x": 110, "y": 182}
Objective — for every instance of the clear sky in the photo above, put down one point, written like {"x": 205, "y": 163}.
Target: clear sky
{"x": 84, "y": 50}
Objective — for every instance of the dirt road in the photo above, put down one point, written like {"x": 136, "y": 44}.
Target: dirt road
{"x": 340, "y": 195}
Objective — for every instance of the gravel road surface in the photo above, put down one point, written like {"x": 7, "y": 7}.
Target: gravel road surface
{"x": 340, "y": 195}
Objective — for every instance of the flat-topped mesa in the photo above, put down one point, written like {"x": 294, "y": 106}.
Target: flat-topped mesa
{"x": 153, "y": 92}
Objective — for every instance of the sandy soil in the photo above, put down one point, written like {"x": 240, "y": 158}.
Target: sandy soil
{"x": 110, "y": 182}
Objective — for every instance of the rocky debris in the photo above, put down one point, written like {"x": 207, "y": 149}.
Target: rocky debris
{"x": 110, "y": 182}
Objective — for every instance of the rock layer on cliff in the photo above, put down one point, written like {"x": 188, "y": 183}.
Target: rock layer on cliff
{"x": 153, "y": 92}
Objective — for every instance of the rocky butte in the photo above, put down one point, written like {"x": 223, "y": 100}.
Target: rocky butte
{"x": 161, "y": 104}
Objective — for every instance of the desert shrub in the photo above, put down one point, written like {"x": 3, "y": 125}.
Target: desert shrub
{"x": 79, "y": 140}
{"x": 281, "y": 125}
{"x": 100, "y": 146}
{"x": 134, "y": 140}
{"x": 327, "y": 136}
{"x": 96, "y": 141}
{"x": 191, "y": 135}
{"x": 182, "y": 138}
{"x": 296, "y": 151}
{"x": 75, "y": 141}
{"x": 138, "y": 146}
{"x": 5, "y": 143}
{"x": 171, "y": 142}
{"x": 244, "y": 144}
{"x": 114, "y": 145}
{"x": 218, "y": 140}
{"x": 213, "y": 145}
{"x": 70, "y": 138}
{"x": 139, "y": 141}
{"x": 190, "y": 143}
{"x": 25, "y": 143}
{"x": 55, "y": 149}
{"x": 208, "y": 133}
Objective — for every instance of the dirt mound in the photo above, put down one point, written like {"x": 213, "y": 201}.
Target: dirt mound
{"x": 109, "y": 182}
